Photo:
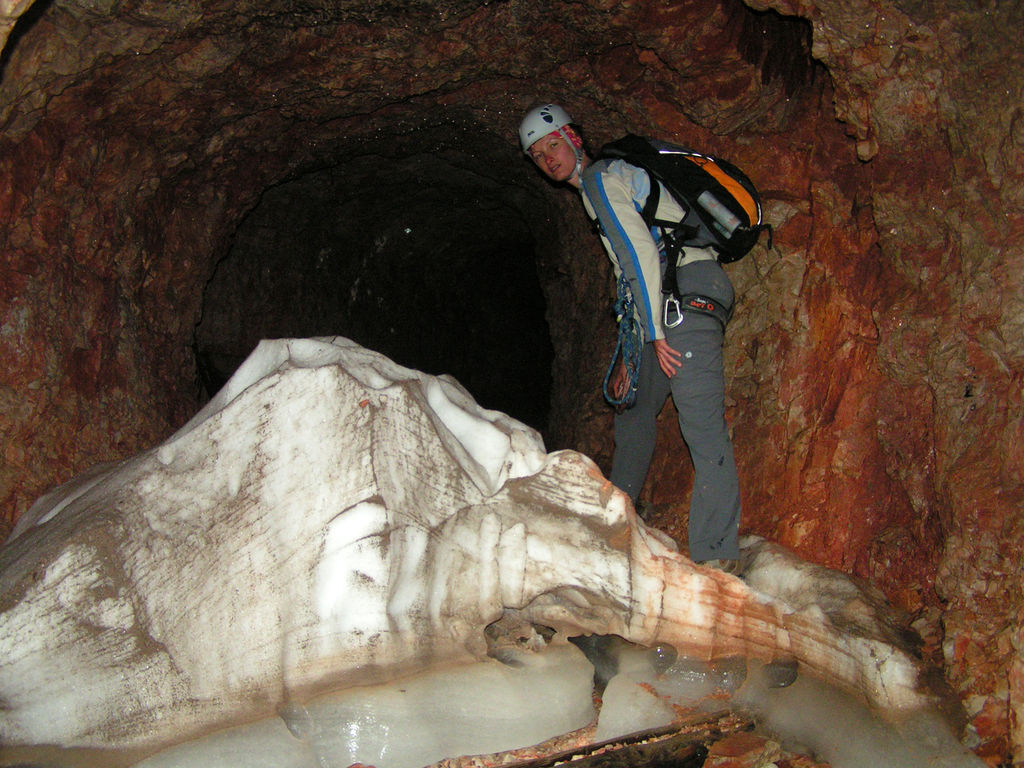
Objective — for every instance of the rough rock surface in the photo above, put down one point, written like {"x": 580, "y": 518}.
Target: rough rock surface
{"x": 331, "y": 520}
{"x": 876, "y": 358}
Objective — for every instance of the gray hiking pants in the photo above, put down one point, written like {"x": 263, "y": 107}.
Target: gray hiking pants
{"x": 698, "y": 391}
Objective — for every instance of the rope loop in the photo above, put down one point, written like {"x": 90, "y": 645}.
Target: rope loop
{"x": 629, "y": 345}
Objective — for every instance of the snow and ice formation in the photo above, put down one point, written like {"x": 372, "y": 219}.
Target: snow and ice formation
{"x": 333, "y": 520}
{"x": 476, "y": 708}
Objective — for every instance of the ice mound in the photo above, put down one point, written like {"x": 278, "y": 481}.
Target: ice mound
{"x": 333, "y": 520}
{"x": 476, "y": 708}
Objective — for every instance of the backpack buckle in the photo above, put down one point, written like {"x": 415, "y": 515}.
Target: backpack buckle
{"x": 672, "y": 302}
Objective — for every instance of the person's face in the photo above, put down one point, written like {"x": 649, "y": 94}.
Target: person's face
{"x": 554, "y": 156}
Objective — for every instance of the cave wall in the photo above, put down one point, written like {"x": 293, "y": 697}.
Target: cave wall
{"x": 875, "y": 360}
{"x": 945, "y": 195}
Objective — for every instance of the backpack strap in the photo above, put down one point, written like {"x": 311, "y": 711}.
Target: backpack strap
{"x": 650, "y": 209}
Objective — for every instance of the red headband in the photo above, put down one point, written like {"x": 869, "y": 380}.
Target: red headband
{"x": 566, "y": 132}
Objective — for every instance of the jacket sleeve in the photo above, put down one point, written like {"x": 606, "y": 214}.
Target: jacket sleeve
{"x": 614, "y": 193}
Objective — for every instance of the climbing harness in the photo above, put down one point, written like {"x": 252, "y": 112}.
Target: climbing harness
{"x": 676, "y": 302}
{"x": 630, "y": 345}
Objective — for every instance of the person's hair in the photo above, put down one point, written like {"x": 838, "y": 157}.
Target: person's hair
{"x": 583, "y": 138}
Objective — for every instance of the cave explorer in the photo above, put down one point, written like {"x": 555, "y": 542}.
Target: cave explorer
{"x": 684, "y": 360}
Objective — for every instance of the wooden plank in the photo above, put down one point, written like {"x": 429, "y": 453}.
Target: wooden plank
{"x": 683, "y": 744}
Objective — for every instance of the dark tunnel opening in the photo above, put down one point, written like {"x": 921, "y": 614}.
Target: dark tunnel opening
{"x": 419, "y": 258}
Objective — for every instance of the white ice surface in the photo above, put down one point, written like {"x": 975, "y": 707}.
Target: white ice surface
{"x": 810, "y": 716}
{"x": 491, "y": 446}
{"x": 807, "y": 716}
{"x": 352, "y": 544}
{"x": 267, "y": 744}
{"x": 628, "y": 707}
{"x": 471, "y": 709}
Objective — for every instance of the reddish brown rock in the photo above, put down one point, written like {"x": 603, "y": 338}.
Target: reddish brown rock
{"x": 876, "y": 359}
{"x": 743, "y": 750}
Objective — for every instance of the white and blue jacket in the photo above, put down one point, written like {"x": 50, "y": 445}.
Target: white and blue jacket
{"x": 614, "y": 193}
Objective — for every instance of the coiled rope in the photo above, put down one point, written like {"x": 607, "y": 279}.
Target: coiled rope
{"x": 629, "y": 346}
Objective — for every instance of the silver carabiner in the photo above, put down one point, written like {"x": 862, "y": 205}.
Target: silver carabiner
{"x": 672, "y": 300}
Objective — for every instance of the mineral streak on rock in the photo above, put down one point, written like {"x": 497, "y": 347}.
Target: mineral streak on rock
{"x": 333, "y": 519}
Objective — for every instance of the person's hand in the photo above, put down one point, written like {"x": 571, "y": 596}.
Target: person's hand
{"x": 620, "y": 380}
{"x": 669, "y": 359}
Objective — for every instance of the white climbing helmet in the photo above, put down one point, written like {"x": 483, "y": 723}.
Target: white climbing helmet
{"x": 540, "y": 121}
